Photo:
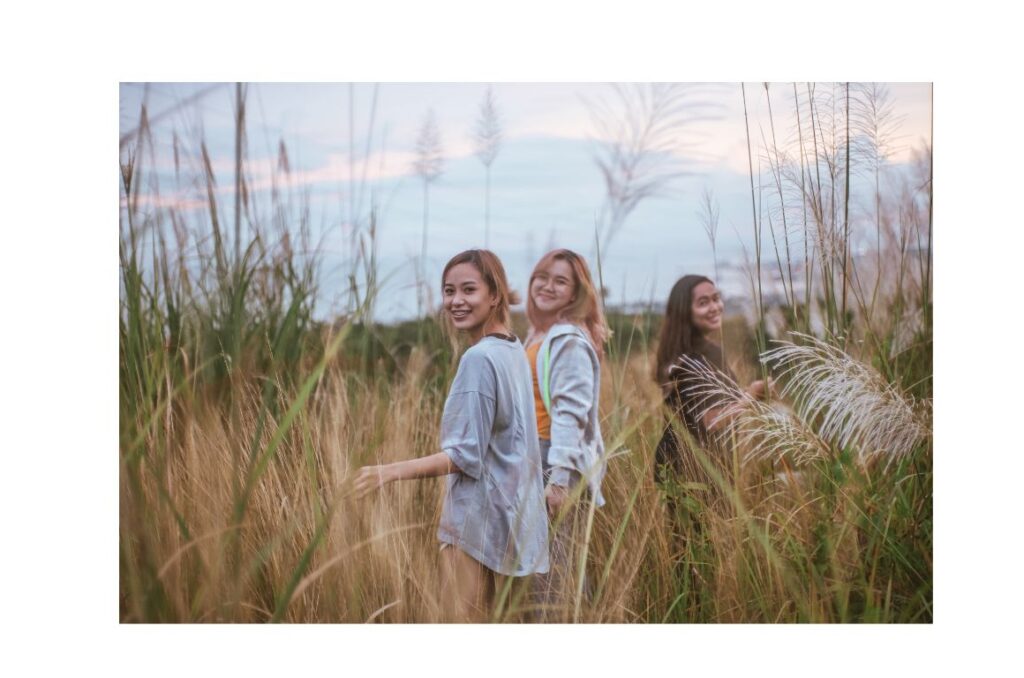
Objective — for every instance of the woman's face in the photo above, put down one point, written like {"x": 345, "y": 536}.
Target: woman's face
{"x": 552, "y": 288}
{"x": 706, "y": 309}
{"x": 467, "y": 299}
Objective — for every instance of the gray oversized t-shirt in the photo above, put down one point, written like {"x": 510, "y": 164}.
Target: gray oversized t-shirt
{"x": 494, "y": 508}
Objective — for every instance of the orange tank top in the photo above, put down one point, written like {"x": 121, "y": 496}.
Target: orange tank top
{"x": 543, "y": 420}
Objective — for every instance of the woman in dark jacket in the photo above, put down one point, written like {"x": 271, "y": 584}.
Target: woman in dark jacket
{"x": 690, "y": 345}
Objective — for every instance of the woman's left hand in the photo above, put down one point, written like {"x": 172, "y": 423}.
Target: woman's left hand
{"x": 556, "y": 495}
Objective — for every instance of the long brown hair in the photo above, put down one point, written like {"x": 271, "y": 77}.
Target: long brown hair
{"x": 493, "y": 273}
{"x": 678, "y": 335}
{"x": 585, "y": 310}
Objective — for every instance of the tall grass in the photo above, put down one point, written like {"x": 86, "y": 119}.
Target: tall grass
{"x": 242, "y": 419}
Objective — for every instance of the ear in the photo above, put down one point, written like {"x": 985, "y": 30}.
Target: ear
{"x": 494, "y": 300}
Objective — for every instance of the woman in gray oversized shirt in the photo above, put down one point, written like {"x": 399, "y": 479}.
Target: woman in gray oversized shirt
{"x": 493, "y": 521}
{"x": 494, "y": 510}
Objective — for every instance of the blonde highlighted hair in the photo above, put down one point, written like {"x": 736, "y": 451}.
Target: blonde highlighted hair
{"x": 585, "y": 309}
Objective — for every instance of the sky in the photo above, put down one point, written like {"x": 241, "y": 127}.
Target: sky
{"x": 350, "y": 144}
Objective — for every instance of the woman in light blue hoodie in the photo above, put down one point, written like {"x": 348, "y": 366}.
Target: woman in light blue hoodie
{"x": 565, "y": 347}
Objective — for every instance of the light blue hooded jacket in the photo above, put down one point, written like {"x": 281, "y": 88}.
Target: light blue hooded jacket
{"x": 575, "y": 386}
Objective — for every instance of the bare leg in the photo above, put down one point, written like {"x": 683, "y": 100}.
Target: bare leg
{"x": 467, "y": 587}
{"x": 510, "y": 595}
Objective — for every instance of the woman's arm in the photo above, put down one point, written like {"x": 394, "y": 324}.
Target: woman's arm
{"x": 572, "y": 397}
{"x": 717, "y": 418}
{"x": 372, "y": 478}
{"x": 465, "y": 431}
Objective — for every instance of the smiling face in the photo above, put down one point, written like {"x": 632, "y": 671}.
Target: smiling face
{"x": 467, "y": 299}
{"x": 553, "y": 288}
{"x": 706, "y": 309}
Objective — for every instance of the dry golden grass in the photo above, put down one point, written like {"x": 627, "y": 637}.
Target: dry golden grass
{"x": 305, "y": 551}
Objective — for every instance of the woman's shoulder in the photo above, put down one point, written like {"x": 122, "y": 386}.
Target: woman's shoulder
{"x": 476, "y": 372}
{"x": 565, "y": 328}
{"x": 696, "y": 360}
{"x": 573, "y": 353}
{"x": 493, "y": 352}
{"x": 488, "y": 348}
{"x": 476, "y": 359}
{"x": 570, "y": 336}
{"x": 711, "y": 353}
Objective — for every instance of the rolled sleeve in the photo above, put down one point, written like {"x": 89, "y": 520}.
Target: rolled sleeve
{"x": 469, "y": 414}
{"x": 560, "y": 476}
{"x": 466, "y": 430}
{"x": 572, "y": 393}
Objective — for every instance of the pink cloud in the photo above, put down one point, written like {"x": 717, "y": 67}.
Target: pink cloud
{"x": 176, "y": 202}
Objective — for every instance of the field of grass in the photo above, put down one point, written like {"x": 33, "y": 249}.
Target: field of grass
{"x": 242, "y": 419}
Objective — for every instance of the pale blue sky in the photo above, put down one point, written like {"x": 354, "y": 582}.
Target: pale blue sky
{"x": 546, "y": 187}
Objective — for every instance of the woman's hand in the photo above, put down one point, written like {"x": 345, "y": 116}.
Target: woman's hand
{"x": 555, "y": 495}
{"x": 370, "y": 479}
{"x": 761, "y": 388}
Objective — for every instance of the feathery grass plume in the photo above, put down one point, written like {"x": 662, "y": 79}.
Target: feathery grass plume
{"x": 639, "y": 127}
{"x": 429, "y": 165}
{"x": 708, "y": 215}
{"x": 487, "y": 142}
{"x": 847, "y": 401}
{"x": 772, "y": 432}
{"x": 763, "y": 431}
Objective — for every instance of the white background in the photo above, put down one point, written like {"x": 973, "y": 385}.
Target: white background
{"x": 62, "y": 63}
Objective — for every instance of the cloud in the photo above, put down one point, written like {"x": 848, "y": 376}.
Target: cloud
{"x": 341, "y": 169}
{"x": 170, "y": 202}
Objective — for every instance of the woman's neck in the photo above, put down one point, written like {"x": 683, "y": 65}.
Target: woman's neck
{"x": 544, "y": 321}
{"x": 488, "y": 328}
{"x": 701, "y": 341}
{"x": 542, "y": 325}
{"x": 711, "y": 338}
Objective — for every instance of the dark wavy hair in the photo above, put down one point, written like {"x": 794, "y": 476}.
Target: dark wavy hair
{"x": 678, "y": 335}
